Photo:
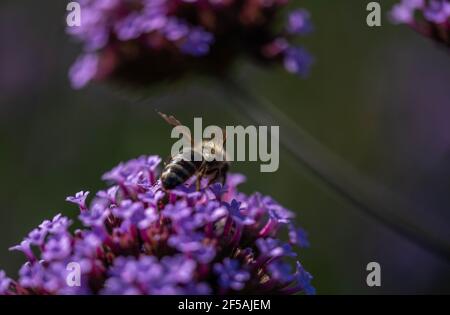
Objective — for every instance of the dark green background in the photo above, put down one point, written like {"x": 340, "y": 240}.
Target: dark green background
{"x": 378, "y": 97}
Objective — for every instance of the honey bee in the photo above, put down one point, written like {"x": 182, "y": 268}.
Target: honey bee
{"x": 194, "y": 161}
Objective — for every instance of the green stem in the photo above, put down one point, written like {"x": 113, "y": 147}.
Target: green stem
{"x": 366, "y": 196}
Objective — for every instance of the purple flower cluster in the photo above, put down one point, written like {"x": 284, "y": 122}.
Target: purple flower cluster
{"x": 144, "y": 41}
{"x": 140, "y": 239}
{"x": 429, "y": 17}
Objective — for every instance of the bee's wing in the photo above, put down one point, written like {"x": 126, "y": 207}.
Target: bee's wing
{"x": 171, "y": 120}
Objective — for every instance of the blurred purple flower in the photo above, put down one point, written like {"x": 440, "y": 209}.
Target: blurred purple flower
{"x": 429, "y": 17}
{"x": 231, "y": 275}
{"x": 57, "y": 248}
{"x": 4, "y": 283}
{"x": 299, "y": 22}
{"x": 83, "y": 70}
{"x": 25, "y": 248}
{"x": 141, "y": 239}
{"x": 37, "y": 236}
{"x": 298, "y": 61}
{"x": 197, "y": 43}
{"x": 298, "y": 236}
{"x": 304, "y": 278}
{"x": 145, "y": 41}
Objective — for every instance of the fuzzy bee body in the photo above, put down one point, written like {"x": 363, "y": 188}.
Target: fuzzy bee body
{"x": 178, "y": 170}
{"x": 207, "y": 160}
{"x": 193, "y": 162}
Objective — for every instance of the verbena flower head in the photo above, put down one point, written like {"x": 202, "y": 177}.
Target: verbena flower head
{"x": 139, "y": 239}
{"x": 429, "y": 17}
{"x": 144, "y": 41}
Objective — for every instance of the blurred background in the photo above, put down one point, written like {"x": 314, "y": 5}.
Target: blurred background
{"x": 378, "y": 97}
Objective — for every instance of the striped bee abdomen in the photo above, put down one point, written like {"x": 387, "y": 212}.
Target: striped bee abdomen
{"x": 178, "y": 170}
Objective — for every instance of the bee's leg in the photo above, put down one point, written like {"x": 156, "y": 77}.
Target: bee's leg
{"x": 223, "y": 178}
{"x": 216, "y": 175}
{"x": 199, "y": 178}
{"x": 223, "y": 173}
{"x": 197, "y": 182}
